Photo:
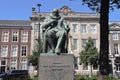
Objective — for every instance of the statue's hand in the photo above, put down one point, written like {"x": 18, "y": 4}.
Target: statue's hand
{"x": 55, "y": 21}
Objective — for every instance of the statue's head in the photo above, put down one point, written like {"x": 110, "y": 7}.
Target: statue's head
{"x": 55, "y": 12}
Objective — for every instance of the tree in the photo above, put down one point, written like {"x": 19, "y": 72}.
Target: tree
{"x": 34, "y": 58}
{"x": 103, "y": 6}
{"x": 89, "y": 54}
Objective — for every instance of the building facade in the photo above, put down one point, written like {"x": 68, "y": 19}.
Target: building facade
{"x": 114, "y": 47}
{"x": 15, "y": 40}
{"x": 18, "y": 39}
{"x": 82, "y": 26}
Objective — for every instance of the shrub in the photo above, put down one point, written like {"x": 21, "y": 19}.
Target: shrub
{"x": 110, "y": 78}
{"x": 92, "y": 78}
{"x": 35, "y": 78}
{"x": 79, "y": 77}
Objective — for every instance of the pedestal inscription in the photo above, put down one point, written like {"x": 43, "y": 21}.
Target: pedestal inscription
{"x": 56, "y": 67}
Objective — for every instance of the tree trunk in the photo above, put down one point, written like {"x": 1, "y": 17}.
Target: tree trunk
{"x": 91, "y": 71}
{"x": 104, "y": 43}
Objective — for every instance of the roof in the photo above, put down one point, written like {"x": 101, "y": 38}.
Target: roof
{"x": 15, "y": 23}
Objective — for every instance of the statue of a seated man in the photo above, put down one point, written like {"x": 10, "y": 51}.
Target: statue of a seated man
{"x": 55, "y": 33}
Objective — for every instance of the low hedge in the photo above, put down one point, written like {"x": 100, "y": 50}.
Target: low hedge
{"x": 82, "y": 77}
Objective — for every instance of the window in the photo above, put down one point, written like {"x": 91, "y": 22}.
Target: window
{"x": 84, "y": 41}
{"x": 94, "y": 42}
{"x": 95, "y": 66}
{"x": 23, "y": 64}
{"x": 115, "y": 36}
{"x": 74, "y": 44}
{"x": 5, "y": 36}
{"x": 110, "y": 49}
{"x": 85, "y": 66}
{"x": 13, "y": 64}
{"x": 14, "y": 50}
{"x": 36, "y": 28}
{"x": 116, "y": 49}
{"x": 109, "y": 35}
{"x": 76, "y": 62}
{"x": 3, "y": 62}
{"x": 23, "y": 50}
{"x": 117, "y": 66}
{"x": 24, "y": 36}
{"x": 93, "y": 29}
{"x": 83, "y": 28}
{"x": 74, "y": 28}
{"x": 4, "y": 50}
{"x": 14, "y": 36}
{"x": 3, "y": 66}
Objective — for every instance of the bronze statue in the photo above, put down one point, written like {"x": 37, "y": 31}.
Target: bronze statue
{"x": 55, "y": 33}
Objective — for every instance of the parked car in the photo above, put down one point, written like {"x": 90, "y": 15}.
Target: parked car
{"x": 18, "y": 73}
{"x": 2, "y": 75}
{"x": 21, "y": 74}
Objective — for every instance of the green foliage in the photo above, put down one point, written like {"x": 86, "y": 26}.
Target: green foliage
{"x": 110, "y": 78}
{"x": 92, "y": 4}
{"x": 79, "y": 77}
{"x": 89, "y": 54}
{"x": 34, "y": 58}
{"x": 95, "y": 4}
{"x": 82, "y": 77}
{"x": 35, "y": 78}
{"x": 103, "y": 6}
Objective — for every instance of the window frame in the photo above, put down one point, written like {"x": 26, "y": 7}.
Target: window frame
{"x": 24, "y": 37}
{"x": 15, "y": 37}
{"x": 74, "y": 28}
{"x": 23, "y": 65}
{"x": 115, "y": 35}
{"x": 75, "y": 44}
{"x": 83, "y": 28}
{"x": 91, "y": 28}
{"x": 14, "y": 66}
{"x": 5, "y": 37}
{"x": 12, "y": 53}
{"x": 24, "y": 54}
{"x": 4, "y": 53}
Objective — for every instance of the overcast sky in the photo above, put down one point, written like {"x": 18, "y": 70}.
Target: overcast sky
{"x": 22, "y": 9}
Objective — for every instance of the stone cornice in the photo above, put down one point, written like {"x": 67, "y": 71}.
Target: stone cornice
{"x": 70, "y": 18}
{"x": 68, "y": 14}
{"x": 114, "y": 27}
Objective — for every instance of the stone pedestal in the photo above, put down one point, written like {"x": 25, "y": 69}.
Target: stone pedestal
{"x": 56, "y": 67}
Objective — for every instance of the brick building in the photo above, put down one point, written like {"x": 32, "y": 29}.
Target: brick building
{"x": 15, "y": 39}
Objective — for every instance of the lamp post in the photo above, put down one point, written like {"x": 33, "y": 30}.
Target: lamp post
{"x": 39, "y": 37}
{"x": 39, "y": 16}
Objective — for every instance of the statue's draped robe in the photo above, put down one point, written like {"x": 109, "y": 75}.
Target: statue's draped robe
{"x": 61, "y": 25}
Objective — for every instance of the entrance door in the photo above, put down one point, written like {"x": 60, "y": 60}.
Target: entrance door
{"x": 3, "y": 66}
{"x": 2, "y": 69}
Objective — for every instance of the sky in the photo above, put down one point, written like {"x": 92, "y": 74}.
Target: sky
{"x": 22, "y": 9}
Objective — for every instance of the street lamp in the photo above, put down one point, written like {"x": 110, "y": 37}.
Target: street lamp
{"x": 39, "y": 16}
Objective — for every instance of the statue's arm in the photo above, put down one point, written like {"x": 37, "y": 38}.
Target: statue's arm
{"x": 67, "y": 28}
{"x": 47, "y": 22}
